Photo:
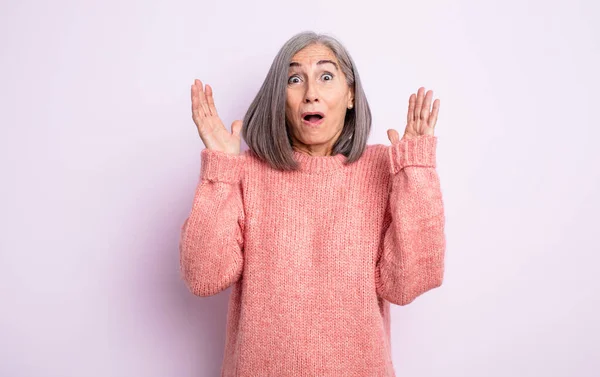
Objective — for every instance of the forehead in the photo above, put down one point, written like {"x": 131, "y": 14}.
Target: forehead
{"x": 310, "y": 55}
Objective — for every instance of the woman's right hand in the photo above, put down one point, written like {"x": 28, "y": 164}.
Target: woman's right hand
{"x": 213, "y": 133}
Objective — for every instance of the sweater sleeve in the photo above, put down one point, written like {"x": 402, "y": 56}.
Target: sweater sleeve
{"x": 411, "y": 256}
{"x": 211, "y": 241}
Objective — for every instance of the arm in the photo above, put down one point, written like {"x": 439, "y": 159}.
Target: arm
{"x": 211, "y": 241}
{"x": 411, "y": 260}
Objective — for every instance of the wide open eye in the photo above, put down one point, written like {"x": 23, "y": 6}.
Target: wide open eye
{"x": 328, "y": 74}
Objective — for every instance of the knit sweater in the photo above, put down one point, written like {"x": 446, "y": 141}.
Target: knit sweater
{"x": 315, "y": 256}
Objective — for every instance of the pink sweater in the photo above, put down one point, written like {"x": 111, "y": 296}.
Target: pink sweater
{"x": 315, "y": 256}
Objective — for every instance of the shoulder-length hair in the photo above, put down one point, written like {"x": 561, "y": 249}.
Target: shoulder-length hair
{"x": 264, "y": 125}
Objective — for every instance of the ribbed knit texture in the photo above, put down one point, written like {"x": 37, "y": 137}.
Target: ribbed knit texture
{"x": 315, "y": 256}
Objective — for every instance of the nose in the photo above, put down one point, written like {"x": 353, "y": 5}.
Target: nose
{"x": 311, "y": 93}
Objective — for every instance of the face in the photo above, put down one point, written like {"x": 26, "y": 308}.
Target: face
{"x": 316, "y": 84}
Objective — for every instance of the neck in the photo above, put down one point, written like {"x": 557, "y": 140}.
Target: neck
{"x": 313, "y": 151}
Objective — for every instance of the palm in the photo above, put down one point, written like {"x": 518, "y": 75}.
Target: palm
{"x": 211, "y": 129}
{"x": 420, "y": 119}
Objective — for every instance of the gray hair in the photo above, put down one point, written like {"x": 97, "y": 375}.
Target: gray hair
{"x": 265, "y": 129}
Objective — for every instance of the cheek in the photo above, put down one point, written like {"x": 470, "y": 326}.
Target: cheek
{"x": 338, "y": 108}
{"x": 338, "y": 100}
{"x": 291, "y": 106}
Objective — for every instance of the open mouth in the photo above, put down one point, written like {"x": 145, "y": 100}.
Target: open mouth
{"x": 313, "y": 118}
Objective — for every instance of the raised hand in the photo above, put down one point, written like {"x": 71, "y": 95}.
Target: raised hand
{"x": 420, "y": 119}
{"x": 213, "y": 133}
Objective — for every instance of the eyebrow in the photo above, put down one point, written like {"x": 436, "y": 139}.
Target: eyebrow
{"x": 324, "y": 61}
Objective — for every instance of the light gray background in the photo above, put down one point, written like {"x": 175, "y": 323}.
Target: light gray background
{"x": 100, "y": 159}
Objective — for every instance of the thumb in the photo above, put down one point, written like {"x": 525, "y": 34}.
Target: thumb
{"x": 236, "y": 128}
{"x": 393, "y": 135}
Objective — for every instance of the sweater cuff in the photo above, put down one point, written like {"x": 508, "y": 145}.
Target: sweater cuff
{"x": 220, "y": 166}
{"x": 418, "y": 151}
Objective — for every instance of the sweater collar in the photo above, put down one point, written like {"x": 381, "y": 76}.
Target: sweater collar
{"x": 318, "y": 164}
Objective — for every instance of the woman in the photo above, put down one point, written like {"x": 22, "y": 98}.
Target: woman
{"x": 316, "y": 231}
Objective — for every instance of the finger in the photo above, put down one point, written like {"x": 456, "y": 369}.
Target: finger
{"x": 425, "y": 110}
{"x": 434, "y": 113}
{"x": 197, "y": 110}
{"x": 393, "y": 135}
{"x": 410, "y": 116}
{"x": 195, "y": 103}
{"x": 236, "y": 128}
{"x": 210, "y": 100}
{"x": 202, "y": 97}
{"x": 418, "y": 106}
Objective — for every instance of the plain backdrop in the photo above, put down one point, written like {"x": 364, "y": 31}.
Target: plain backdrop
{"x": 100, "y": 158}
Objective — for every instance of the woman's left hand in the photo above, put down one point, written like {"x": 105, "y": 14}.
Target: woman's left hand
{"x": 420, "y": 119}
